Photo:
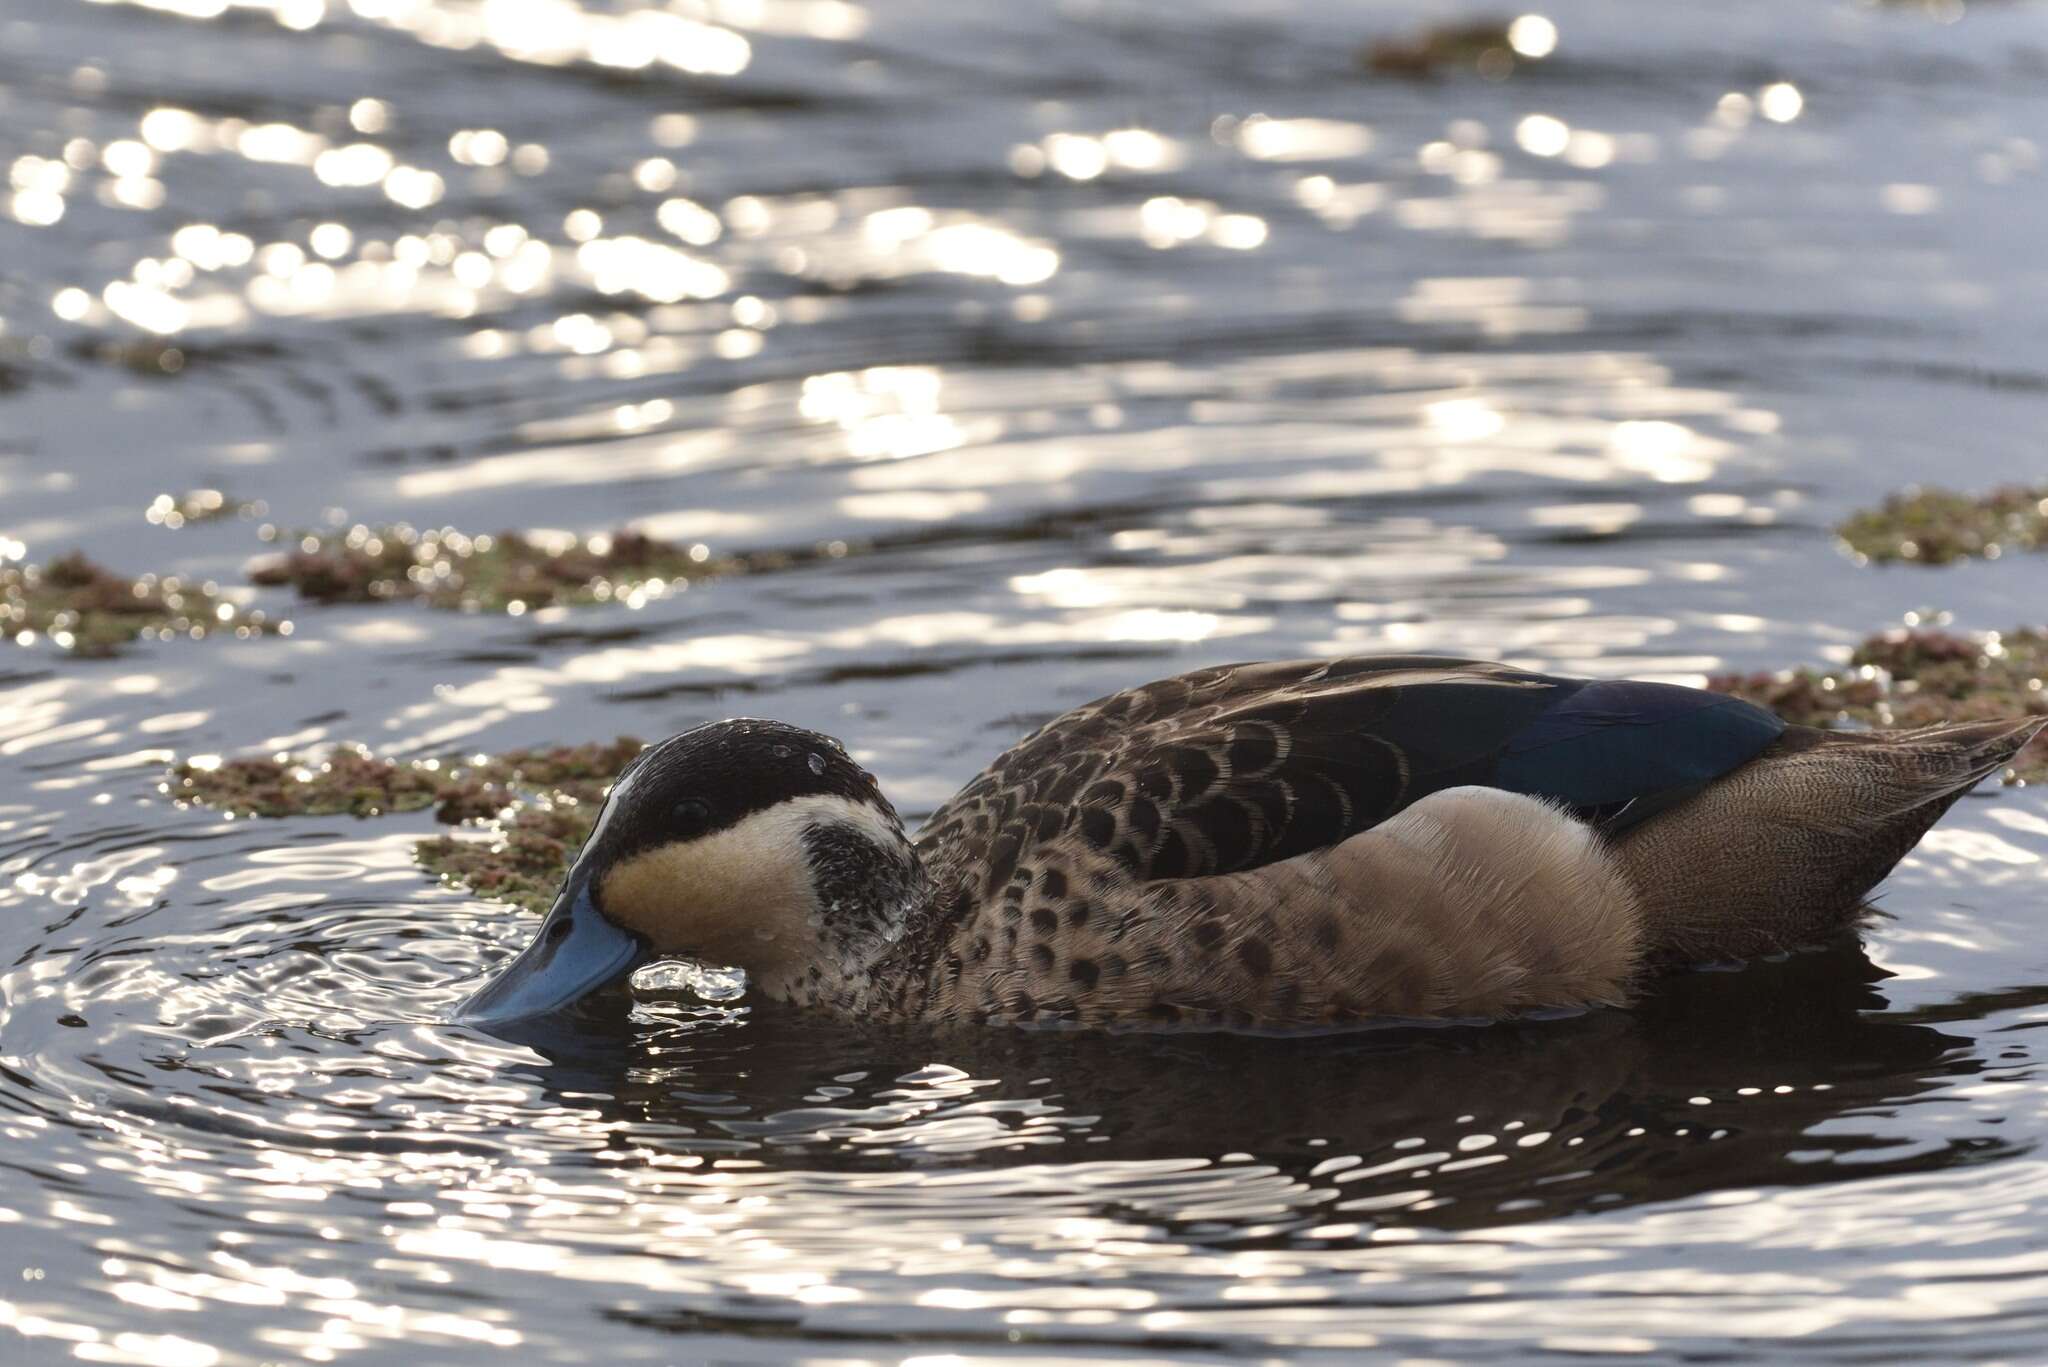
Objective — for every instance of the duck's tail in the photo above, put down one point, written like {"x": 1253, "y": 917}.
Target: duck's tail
{"x": 1780, "y": 852}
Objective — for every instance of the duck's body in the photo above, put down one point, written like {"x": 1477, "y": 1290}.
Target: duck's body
{"x": 1279, "y": 845}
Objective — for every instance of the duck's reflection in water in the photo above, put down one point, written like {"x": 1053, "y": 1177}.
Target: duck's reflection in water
{"x": 1783, "y": 1073}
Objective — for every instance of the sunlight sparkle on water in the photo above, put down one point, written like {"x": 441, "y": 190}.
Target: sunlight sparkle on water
{"x": 1269, "y": 139}
{"x": 1781, "y": 102}
{"x": 1542, "y": 135}
{"x": 1532, "y": 36}
{"x": 1101, "y": 346}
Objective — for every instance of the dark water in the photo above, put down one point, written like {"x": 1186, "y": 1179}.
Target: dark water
{"x": 1130, "y": 381}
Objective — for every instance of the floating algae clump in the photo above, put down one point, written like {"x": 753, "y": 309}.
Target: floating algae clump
{"x": 197, "y": 505}
{"x": 89, "y": 610}
{"x": 539, "y": 804}
{"x": 1939, "y": 526}
{"x": 523, "y": 865}
{"x": 1916, "y": 678}
{"x": 510, "y": 572}
{"x": 1490, "y": 47}
{"x": 347, "y": 781}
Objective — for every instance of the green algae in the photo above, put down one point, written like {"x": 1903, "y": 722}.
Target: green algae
{"x": 89, "y": 610}
{"x": 536, "y": 805}
{"x": 1941, "y": 526}
{"x": 510, "y": 572}
{"x": 1916, "y": 678}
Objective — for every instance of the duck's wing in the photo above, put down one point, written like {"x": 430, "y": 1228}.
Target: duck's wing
{"x": 1238, "y": 766}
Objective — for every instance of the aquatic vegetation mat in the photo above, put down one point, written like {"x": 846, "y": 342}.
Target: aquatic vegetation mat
{"x": 1940, "y": 526}
{"x": 1916, "y": 678}
{"x": 89, "y": 610}
{"x": 538, "y": 804}
{"x": 510, "y": 572}
{"x": 1486, "y": 47}
{"x": 173, "y": 511}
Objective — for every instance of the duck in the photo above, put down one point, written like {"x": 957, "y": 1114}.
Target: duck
{"x": 1271, "y": 846}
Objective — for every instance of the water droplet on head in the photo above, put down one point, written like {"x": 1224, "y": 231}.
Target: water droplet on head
{"x": 818, "y": 765}
{"x": 781, "y": 751}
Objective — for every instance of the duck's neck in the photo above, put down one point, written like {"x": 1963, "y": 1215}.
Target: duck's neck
{"x": 870, "y": 894}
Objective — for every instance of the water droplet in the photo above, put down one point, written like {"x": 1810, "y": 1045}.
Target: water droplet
{"x": 818, "y": 765}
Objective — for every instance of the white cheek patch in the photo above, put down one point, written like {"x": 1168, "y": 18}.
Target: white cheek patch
{"x": 822, "y": 809}
{"x": 775, "y": 837}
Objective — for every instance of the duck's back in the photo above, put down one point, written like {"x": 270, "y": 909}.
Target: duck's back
{"x": 1240, "y": 766}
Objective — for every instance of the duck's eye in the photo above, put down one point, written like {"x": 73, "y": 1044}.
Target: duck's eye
{"x": 690, "y": 813}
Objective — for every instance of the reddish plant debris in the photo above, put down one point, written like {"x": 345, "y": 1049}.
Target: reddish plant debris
{"x": 1916, "y": 678}
{"x": 537, "y": 804}
{"x": 89, "y": 610}
{"x": 511, "y": 572}
{"x": 523, "y": 864}
{"x": 1473, "y": 45}
{"x": 1940, "y": 526}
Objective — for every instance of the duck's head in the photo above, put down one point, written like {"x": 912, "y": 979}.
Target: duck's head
{"x": 744, "y": 843}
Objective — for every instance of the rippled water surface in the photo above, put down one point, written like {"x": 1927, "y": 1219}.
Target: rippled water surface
{"x": 1115, "y": 338}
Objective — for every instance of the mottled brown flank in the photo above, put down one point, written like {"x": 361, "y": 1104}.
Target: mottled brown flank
{"x": 445, "y": 569}
{"x": 1256, "y": 957}
{"x": 1249, "y": 948}
{"x": 90, "y": 610}
{"x": 1940, "y": 526}
{"x": 1916, "y": 678}
{"x": 539, "y": 802}
{"x": 1130, "y": 810}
